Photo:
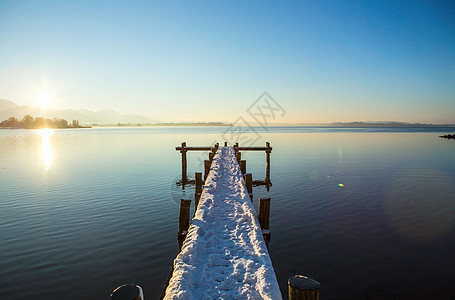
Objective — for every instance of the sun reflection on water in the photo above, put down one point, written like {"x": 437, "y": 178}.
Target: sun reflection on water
{"x": 46, "y": 151}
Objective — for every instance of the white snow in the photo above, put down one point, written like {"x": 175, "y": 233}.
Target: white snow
{"x": 224, "y": 255}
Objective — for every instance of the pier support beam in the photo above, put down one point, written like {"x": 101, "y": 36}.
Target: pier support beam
{"x": 267, "y": 170}
{"x": 211, "y": 154}
{"x": 238, "y": 156}
{"x": 183, "y": 151}
{"x": 197, "y": 189}
{"x": 243, "y": 166}
{"x": 184, "y": 221}
{"x": 249, "y": 184}
{"x": 264, "y": 218}
{"x": 207, "y": 164}
{"x": 303, "y": 288}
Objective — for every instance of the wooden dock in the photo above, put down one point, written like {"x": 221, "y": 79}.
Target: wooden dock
{"x": 223, "y": 250}
{"x": 224, "y": 254}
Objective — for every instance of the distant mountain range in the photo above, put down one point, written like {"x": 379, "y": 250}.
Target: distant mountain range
{"x": 386, "y": 124}
{"x": 85, "y": 116}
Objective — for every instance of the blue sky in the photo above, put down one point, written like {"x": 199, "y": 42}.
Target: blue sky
{"x": 323, "y": 61}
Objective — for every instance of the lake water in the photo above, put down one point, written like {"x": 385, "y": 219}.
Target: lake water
{"x": 369, "y": 213}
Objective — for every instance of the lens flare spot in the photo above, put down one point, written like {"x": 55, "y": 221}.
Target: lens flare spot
{"x": 340, "y": 185}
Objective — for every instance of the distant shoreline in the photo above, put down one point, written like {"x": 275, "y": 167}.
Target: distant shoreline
{"x": 325, "y": 125}
{"x": 198, "y": 124}
{"x": 38, "y": 128}
{"x": 221, "y": 124}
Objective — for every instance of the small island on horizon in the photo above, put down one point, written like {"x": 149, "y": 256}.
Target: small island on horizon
{"x": 29, "y": 122}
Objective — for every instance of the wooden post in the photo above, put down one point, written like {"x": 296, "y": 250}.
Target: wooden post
{"x": 249, "y": 184}
{"x": 236, "y": 148}
{"x": 238, "y": 155}
{"x": 183, "y": 151}
{"x": 198, "y": 189}
{"x": 128, "y": 292}
{"x": 303, "y": 288}
{"x": 267, "y": 170}
{"x": 264, "y": 217}
{"x": 207, "y": 164}
{"x": 237, "y": 145}
{"x": 264, "y": 212}
{"x": 243, "y": 166}
{"x": 211, "y": 156}
{"x": 225, "y": 144}
{"x": 184, "y": 221}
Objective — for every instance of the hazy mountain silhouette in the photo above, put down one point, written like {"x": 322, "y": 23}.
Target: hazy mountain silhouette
{"x": 386, "y": 124}
{"x": 85, "y": 116}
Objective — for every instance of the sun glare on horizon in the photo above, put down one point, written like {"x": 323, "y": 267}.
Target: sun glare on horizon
{"x": 44, "y": 99}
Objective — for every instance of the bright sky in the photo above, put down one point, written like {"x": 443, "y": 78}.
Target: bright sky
{"x": 322, "y": 61}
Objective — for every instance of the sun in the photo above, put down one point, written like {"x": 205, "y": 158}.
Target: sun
{"x": 44, "y": 100}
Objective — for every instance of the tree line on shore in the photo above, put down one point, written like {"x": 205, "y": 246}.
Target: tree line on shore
{"x": 29, "y": 122}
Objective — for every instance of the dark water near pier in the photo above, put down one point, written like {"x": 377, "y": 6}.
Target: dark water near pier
{"x": 370, "y": 213}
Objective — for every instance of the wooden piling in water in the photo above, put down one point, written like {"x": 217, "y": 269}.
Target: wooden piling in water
{"x": 243, "y": 166}
{"x": 249, "y": 184}
{"x": 197, "y": 189}
{"x": 267, "y": 170}
{"x": 225, "y": 144}
{"x": 128, "y": 292}
{"x": 184, "y": 221}
{"x": 264, "y": 212}
{"x": 183, "y": 151}
{"x": 264, "y": 218}
{"x": 236, "y": 147}
{"x": 207, "y": 164}
{"x": 303, "y": 288}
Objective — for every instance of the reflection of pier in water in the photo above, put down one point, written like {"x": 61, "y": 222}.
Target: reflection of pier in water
{"x": 185, "y": 181}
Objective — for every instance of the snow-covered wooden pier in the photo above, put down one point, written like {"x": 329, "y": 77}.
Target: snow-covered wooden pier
{"x": 224, "y": 255}
{"x": 223, "y": 251}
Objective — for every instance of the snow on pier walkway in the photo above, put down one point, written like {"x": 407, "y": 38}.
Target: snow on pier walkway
{"x": 224, "y": 255}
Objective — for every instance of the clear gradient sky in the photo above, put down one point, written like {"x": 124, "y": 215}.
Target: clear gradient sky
{"x": 323, "y": 61}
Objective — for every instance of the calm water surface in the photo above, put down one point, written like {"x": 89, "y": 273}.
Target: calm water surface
{"x": 370, "y": 213}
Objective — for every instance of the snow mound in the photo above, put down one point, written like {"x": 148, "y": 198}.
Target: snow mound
{"x": 224, "y": 255}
